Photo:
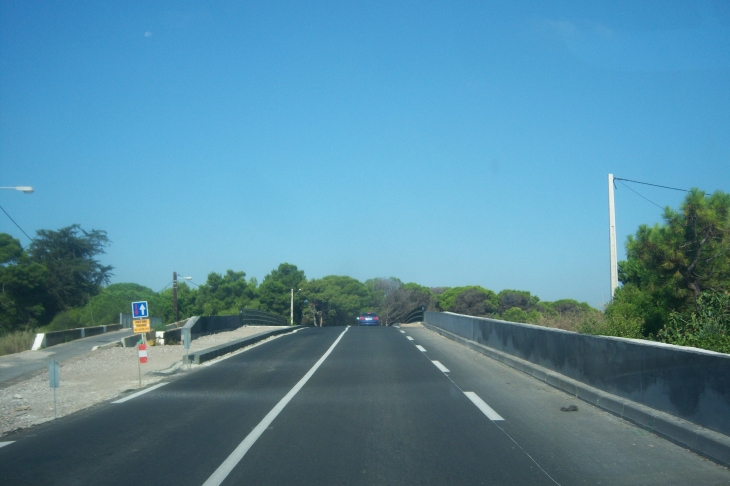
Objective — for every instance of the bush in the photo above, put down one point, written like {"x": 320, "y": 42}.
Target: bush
{"x": 706, "y": 327}
{"x": 574, "y": 321}
{"x": 618, "y": 324}
{"x": 515, "y": 314}
{"x": 69, "y": 319}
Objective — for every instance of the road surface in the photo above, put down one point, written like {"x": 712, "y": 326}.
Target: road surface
{"x": 350, "y": 406}
{"x": 17, "y": 366}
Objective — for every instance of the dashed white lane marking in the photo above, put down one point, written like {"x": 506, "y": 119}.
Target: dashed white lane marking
{"x": 135, "y": 395}
{"x": 421, "y": 348}
{"x": 409, "y": 338}
{"x": 440, "y": 366}
{"x": 225, "y": 469}
{"x": 481, "y": 405}
{"x": 3, "y": 444}
{"x": 403, "y": 332}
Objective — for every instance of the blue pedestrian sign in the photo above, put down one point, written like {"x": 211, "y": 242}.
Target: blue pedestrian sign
{"x": 140, "y": 310}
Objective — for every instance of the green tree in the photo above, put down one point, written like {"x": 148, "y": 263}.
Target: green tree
{"x": 392, "y": 299}
{"x": 186, "y": 303}
{"x": 671, "y": 264}
{"x": 516, "y": 298}
{"x": 275, "y": 290}
{"x": 73, "y": 273}
{"x": 226, "y": 294}
{"x": 471, "y": 300}
{"x": 335, "y": 300}
{"x": 21, "y": 286}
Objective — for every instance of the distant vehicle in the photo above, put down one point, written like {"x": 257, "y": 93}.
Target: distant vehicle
{"x": 368, "y": 319}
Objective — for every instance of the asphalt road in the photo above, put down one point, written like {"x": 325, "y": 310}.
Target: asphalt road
{"x": 361, "y": 406}
{"x": 15, "y": 366}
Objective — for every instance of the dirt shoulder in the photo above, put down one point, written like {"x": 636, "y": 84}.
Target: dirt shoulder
{"x": 96, "y": 377}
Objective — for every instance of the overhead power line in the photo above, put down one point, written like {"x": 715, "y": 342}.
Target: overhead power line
{"x": 644, "y": 197}
{"x": 16, "y": 224}
{"x": 649, "y": 184}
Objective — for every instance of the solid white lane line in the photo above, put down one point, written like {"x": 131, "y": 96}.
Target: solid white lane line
{"x": 403, "y": 332}
{"x": 135, "y": 395}
{"x": 225, "y": 469}
{"x": 440, "y": 366}
{"x": 421, "y": 348}
{"x": 481, "y": 405}
{"x": 409, "y": 338}
{"x": 3, "y": 444}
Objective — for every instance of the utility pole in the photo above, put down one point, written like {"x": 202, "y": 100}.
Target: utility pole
{"x": 291, "y": 313}
{"x": 174, "y": 296}
{"x": 612, "y": 236}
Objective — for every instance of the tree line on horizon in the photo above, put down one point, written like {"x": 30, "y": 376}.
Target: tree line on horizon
{"x": 675, "y": 287}
{"x": 58, "y": 283}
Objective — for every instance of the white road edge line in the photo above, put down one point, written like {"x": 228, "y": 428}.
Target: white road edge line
{"x": 220, "y": 474}
{"x": 421, "y": 348}
{"x": 440, "y": 366}
{"x": 3, "y": 444}
{"x": 135, "y": 395}
{"x": 409, "y": 338}
{"x": 481, "y": 405}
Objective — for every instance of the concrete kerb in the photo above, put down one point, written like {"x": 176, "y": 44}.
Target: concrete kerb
{"x": 705, "y": 442}
{"x": 114, "y": 344}
{"x": 204, "y": 355}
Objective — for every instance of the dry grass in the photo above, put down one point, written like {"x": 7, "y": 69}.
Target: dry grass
{"x": 573, "y": 321}
{"x": 16, "y": 342}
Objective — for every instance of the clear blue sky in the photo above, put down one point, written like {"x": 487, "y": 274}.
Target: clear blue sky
{"x": 446, "y": 143}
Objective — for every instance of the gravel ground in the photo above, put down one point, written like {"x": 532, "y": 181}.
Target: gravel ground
{"x": 97, "y": 377}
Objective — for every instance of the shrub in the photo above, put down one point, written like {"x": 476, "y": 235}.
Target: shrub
{"x": 515, "y": 314}
{"x": 706, "y": 327}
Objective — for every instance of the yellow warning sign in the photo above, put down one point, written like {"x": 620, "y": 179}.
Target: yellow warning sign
{"x": 141, "y": 325}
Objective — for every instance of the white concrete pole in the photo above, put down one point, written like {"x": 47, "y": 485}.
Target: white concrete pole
{"x": 612, "y": 236}
{"x": 291, "y": 314}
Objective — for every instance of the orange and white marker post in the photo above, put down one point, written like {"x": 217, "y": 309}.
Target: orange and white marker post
{"x": 142, "y": 350}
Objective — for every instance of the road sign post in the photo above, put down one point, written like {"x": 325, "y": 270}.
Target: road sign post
{"x": 141, "y": 326}
{"x": 54, "y": 380}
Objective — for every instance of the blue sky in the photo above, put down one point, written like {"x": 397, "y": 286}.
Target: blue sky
{"x": 446, "y": 143}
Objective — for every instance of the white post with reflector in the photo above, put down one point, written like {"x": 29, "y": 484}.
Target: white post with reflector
{"x": 142, "y": 351}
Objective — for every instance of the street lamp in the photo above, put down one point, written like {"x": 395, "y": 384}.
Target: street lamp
{"x": 174, "y": 294}
{"x": 291, "y": 315}
{"x": 25, "y": 189}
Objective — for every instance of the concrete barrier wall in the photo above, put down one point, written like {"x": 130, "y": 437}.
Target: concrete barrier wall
{"x": 44, "y": 340}
{"x": 685, "y": 382}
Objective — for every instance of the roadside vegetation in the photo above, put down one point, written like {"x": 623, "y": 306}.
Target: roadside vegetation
{"x": 676, "y": 288}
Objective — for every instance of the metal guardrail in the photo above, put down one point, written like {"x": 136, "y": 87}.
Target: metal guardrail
{"x": 261, "y": 318}
{"x": 416, "y": 315}
{"x": 125, "y": 320}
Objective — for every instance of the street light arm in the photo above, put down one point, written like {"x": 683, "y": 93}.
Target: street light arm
{"x": 25, "y": 189}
